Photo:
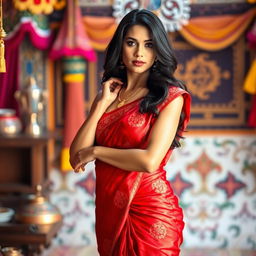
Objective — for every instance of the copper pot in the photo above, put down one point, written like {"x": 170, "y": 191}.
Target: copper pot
{"x": 9, "y": 123}
{"x": 11, "y": 251}
{"x": 38, "y": 210}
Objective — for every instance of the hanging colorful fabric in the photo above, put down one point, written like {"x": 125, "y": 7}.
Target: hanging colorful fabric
{"x": 2, "y": 35}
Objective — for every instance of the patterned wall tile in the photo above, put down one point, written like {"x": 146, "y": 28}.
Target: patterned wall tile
{"x": 220, "y": 205}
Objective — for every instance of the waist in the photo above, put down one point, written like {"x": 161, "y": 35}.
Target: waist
{"x": 100, "y": 164}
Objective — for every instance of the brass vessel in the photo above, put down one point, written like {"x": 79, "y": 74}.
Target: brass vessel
{"x": 11, "y": 251}
{"x": 38, "y": 210}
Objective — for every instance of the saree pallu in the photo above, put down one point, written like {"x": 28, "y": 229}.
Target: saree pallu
{"x": 137, "y": 213}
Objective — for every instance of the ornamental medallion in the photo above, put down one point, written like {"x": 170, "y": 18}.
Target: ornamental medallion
{"x": 172, "y": 13}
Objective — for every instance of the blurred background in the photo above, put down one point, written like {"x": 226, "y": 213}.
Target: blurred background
{"x": 51, "y": 58}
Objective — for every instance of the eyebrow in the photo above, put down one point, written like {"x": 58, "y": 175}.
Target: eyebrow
{"x": 148, "y": 40}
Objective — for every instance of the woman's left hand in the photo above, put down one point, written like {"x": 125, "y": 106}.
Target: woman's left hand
{"x": 81, "y": 158}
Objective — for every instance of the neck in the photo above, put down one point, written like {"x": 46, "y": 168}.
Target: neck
{"x": 135, "y": 80}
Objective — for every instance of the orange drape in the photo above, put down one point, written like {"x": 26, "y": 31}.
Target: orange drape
{"x": 211, "y": 33}
{"x": 217, "y": 32}
{"x": 100, "y": 30}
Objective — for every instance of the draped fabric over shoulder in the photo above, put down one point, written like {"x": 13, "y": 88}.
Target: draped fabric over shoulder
{"x": 137, "y": 213}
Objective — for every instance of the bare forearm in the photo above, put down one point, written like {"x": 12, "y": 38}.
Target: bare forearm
{"x": 128, "y": 159}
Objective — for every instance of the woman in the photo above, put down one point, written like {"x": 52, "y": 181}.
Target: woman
{"x": 134, "y": 123}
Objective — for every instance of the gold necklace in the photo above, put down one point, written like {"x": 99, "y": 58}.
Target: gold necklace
{"x": 122, "y": 101}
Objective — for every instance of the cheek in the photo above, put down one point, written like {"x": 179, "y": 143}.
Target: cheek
{"x": 152, "y": 57}
{"x": 125, "y": 55}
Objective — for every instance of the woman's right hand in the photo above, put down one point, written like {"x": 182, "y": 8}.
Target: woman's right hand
{"x": 110, "y": 90}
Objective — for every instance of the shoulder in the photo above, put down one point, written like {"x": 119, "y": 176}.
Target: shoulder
{"x": 173, "y": 93}
{"x": 177, "y": 102}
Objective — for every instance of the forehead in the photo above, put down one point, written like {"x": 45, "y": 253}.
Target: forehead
{"x": 139, "y": 32}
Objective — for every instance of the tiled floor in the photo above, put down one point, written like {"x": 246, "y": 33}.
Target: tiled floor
{"x": 212, "y": 252}
{"x": 71, "y": 251}
{"x": 91, "y": 251}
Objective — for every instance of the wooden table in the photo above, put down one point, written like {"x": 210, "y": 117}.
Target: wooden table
{"x": 31, "y": 238}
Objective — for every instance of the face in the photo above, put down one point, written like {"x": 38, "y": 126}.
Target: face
{"x": 138, "y": 53}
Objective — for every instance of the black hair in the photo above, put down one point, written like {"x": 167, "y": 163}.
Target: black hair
{"x": 161, "y": 75}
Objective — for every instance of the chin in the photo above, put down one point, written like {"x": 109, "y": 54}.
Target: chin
{"x": 138, "y": 70}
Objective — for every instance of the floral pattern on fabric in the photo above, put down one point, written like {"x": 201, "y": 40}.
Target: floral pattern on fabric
{"x": 158, "y": 230}
{"x": 159, "y": 186}
{"x": 113, "y": 116}
{"x": 136, "y": 119}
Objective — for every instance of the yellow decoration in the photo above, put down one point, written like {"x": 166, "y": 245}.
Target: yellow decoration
{"x": 68, "y": 78}
{"x": 251, "y": 1}
{"x": 2, "y": 59}
{"x": 21, "y": 5}
{"x": 64, "y": 160}
{"x": 2, "y": 35}
{"x": 250, "y": 80}
{"x": 35, "y": 6}
{"x": 59, "y": 4}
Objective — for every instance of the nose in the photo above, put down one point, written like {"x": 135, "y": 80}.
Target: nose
{"x": 139, "y": 51}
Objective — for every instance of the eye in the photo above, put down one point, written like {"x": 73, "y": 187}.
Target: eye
{"x": 149, "y": 45}
{"x": 130, "y": 43}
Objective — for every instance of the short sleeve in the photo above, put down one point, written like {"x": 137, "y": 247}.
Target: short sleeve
{"x": 173, "y": 93}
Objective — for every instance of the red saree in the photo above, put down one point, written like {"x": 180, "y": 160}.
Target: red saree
{"x": 137, "y": 213}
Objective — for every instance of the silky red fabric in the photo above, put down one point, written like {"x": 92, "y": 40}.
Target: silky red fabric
{"x": 137, "y": 213}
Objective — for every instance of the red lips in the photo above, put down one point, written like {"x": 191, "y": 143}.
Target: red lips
{"x": 138, "y": 63}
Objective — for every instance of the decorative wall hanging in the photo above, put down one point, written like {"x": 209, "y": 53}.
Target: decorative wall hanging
{"x": 214, "y": 80}
{"x": 34, "y": 27}
{"x": 73, "y": 46}
{"x": 173, "y": 13}
{"x": 72, "y": 39}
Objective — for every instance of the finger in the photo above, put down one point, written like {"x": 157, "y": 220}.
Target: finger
{"x": 77, "y": 166}
{"x": 117, "y": 89}
{"x": 80, "y": 166}
{"x": 115, "y": 79}
{"x": 78, "y": 169}
{"x": 113, "y": 82}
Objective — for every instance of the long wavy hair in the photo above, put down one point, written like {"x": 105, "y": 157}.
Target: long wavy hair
{"x": 161, "y": 75}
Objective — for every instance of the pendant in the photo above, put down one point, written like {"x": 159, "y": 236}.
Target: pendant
{"x": 121, "y": 103}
